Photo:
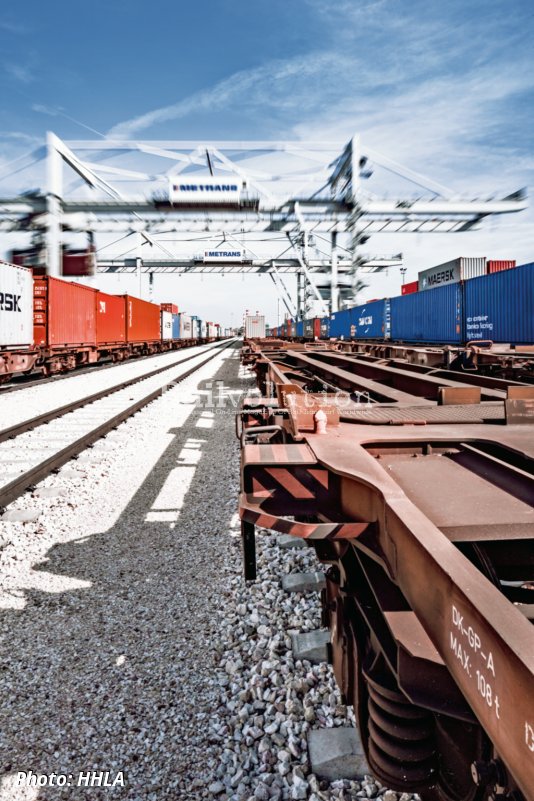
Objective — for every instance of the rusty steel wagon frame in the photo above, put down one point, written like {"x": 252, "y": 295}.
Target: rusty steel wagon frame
{"x": 423, "y": 506}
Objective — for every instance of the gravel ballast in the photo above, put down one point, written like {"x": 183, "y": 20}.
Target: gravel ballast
{"x": 130, "y": 642}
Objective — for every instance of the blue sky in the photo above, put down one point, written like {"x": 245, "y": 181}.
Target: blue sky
{"x": 447, "y": 89}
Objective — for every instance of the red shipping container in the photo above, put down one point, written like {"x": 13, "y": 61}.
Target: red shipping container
{"x": 497, "y": 266}
{"x": 110, "y": 316}
{"x": 316, "y": 327}
{"x": 142, "y": 320}
{"x": 169, "y": 307}
{"x": 409, "y": 289}
{"x": 64, "y": 313}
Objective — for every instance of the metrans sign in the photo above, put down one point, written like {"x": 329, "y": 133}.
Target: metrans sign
{"x": 224, "y": 255}
{"x": 189, "y": 190}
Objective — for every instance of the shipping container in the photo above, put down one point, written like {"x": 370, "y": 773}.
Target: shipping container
{"x": 496, "y": 266}
{"x": 169, "y": 307}
{"x": 370, "y": 321}
{"x": 142, "y": 320}
{"x": 211, "y": 330}
{"x": 203, "y": 329}
{"x": 64, "y": 313}
{"x": 451, "y": 272}
{"x": 340, "y": 324}
{"x": 186, "y": 327}
{"x": 110, "y": 319}
{"x": 308, "y": 329}
{"x": 299, "y": 328}
{"x": 16, "y": 306}
{"x": 166, "y": 325}
{"x": 325, "y": 327}
{"x": 430, "y": 317}
{"x": 500, "y": 306}
{"x": 176, "y": 326}
{"x": 408, "y": 289}
{"x": 316, "y": 327}
{"x": 254, "y": 326}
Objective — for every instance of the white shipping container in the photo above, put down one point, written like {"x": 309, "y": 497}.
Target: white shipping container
{"x": 451, "y": 272}
{"x": 255, "y": 327}
{"x": 212, "y": 330}
{"x": 16, "y": 306}
{"x": 166, "y": 325}
{"x": 186, "y": 327}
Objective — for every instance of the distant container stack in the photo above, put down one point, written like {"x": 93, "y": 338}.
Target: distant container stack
{"x": 451, "y": 272}
{"x": 409, "y": 289}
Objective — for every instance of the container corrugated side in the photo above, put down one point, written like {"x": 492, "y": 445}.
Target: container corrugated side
{"x": 169, "y": 307}
{"x": 408, "y": 289}
{"x": 211, "y": 330}
{"x": 142, "y": 320}
{"x": 186, "y": 327}
{"x": 368, "y": 321}
{"x": 110, "y": 316}
{"x": 500, "y": 306}
{"x": 325, "y": 327}
{"x": 16, "y": 306}
{"x": 308, "y": 329}
{"x": 451, "y": 272}
{"x": 176, "y": 326}
{"x": 166, "y": 325}
{"x": 300, "y": 324}
{"x": 64, "y": 313}
{"x": 340, "y": 324}
{"x": 495, "y": 266}
{"x": 433, "y": 317}
{"x": 254, "y": 326}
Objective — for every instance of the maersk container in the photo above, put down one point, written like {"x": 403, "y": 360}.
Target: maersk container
{"x": 186, "y": 327}
{"x": 166, "y": 325}
{"x": 500, "y": 306}
{"x": 428, "y": 317}
{"x": 370, "y": 321}
{"x": 64, "y": 313}
{"x": 254, "y": 326}
{"x": 16, "y": 306}
{"x": 142, "y": 320}
{"x": 176, "y": 326}
{"x": 451, "y": 272}
{"x": 110, "y": 314}
{"x": 340, "y": 324}
{"x": 496, "y": 266}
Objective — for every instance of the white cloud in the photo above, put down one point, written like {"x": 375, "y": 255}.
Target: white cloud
{"x": 20, "y": 72}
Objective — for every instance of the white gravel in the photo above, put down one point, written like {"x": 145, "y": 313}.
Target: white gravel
{"x": 130, "y": 641}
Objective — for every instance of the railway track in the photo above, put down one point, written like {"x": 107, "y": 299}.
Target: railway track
{"x": 416, "y": 488}
{"x": 34, "y": 447}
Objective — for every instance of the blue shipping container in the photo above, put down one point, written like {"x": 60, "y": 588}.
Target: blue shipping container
{"x": 500, "y": 306}
{"x": 340, "y": 324}
{"x": 176, "y": 326}
{"x": 300, "y": 328}
{"x": 433, "y": 316}
{"x": 325, "y": 327}
{"x": 370, "y": 321}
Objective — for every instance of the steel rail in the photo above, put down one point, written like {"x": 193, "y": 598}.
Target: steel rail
{"x": 33, "y": 422}
{"x": 19, "y": 485}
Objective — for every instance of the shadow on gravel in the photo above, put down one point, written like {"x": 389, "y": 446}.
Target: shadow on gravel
{"x": 120, "y": 677}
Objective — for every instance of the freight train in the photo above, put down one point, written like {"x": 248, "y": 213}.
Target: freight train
{"x": 50, "y": 326}
{"x": 495, "y": 307}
